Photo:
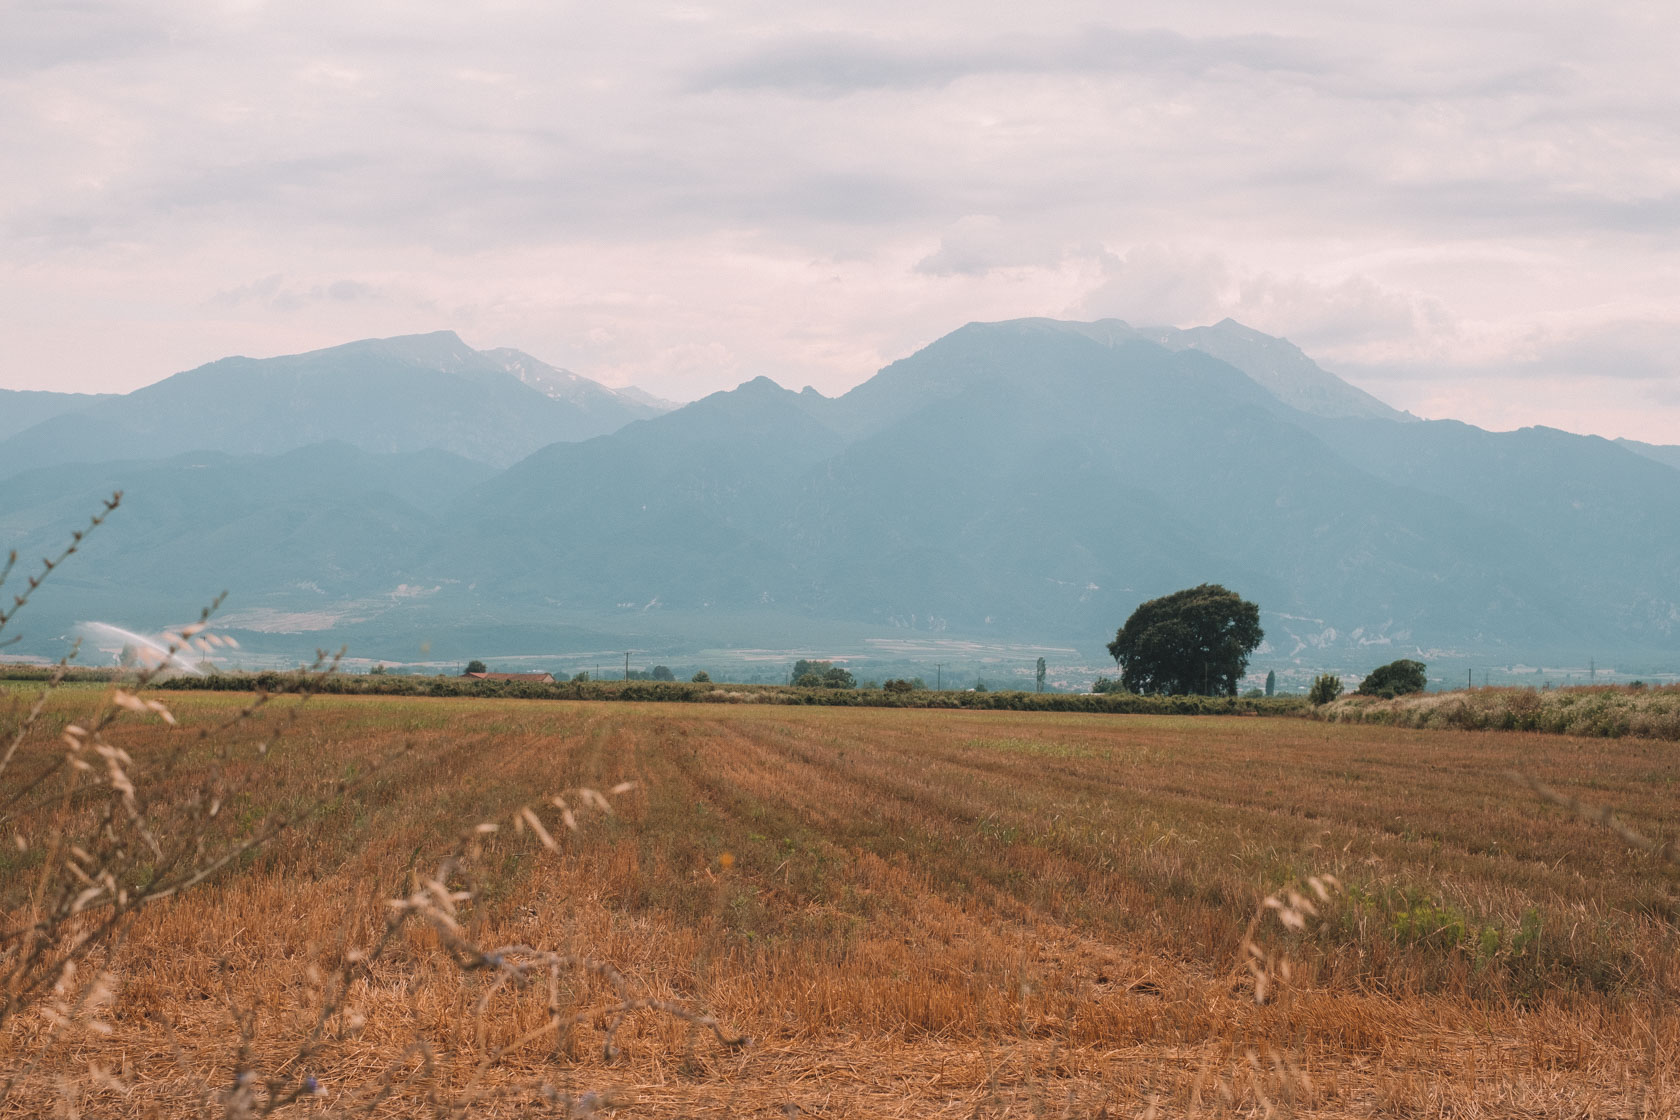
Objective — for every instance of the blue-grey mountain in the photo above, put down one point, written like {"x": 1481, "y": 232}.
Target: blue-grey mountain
{"x": 382, "y": 395}
{"x": 1027, "y": 481}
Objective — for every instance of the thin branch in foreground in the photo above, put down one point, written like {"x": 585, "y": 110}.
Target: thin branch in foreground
{"x": 1600, "y": 815}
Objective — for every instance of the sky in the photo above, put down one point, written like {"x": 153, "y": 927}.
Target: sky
{"x": 1469, "y": 209}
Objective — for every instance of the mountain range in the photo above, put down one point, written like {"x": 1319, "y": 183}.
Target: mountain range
{"x": 390, "y": 395}
{"x": 1011, "y": 485}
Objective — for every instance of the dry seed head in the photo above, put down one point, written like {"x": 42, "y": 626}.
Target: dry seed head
{"x": 128, "y": 700}
{"x": 441, "y": 893}
{"x": 536, "y": 827}
{"x": 623, "y": 787}
{"x": 116, "y": 754}
{"x": 487, "y": 826}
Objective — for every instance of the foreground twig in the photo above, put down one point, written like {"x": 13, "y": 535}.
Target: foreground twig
{"x": 1601, "y": 815}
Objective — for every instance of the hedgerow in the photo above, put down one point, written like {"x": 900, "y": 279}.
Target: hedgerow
{"x": 359, "y": 684}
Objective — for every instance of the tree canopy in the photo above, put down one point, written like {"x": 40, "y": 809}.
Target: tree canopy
{"x": 1192, "y": 641}
{"x": 1397, "y": 678}
{"x": 821, "y": 674}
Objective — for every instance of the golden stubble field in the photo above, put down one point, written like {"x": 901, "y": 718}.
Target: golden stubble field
{"x": 910, "y": 913}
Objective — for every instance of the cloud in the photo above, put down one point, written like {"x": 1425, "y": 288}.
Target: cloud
{"x": 1155, "y": 285}
{"x": 835, "y": 65}
{"x": 274, "y": 293}
{"x": 687, "y": 197}
{"x": 979, "y": 243}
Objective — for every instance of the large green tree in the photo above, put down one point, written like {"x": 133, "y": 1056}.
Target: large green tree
{"x": 1397, "y": 678}
{"x": 1192, "y": 641}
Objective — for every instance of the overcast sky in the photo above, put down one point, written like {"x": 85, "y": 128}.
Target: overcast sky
{"x": 1469, "y": 209}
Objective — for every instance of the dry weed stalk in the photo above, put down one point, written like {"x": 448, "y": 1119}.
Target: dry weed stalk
{"x": 1269, "y": 968}
{"x": 114, "y": 843}
{"x": 1665, "y": 851}
{"x": 439, "y": 901}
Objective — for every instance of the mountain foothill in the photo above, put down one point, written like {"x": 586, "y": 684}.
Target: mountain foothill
{"x": 1022, "y": 481}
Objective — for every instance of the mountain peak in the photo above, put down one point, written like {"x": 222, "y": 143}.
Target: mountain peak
{"x": 441, "y": 350}
{"x": 1279, "y": 366}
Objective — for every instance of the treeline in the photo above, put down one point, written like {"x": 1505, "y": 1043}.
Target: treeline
{"x": 25, "y": 672}
{"x": 365, "y": 684}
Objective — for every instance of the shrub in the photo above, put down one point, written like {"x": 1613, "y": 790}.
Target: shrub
{"x": 1325, "y": 688}
{"x": 701, "y": 677}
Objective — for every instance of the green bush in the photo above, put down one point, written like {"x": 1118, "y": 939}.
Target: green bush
{"x": 1325, "y": 688}
{"x": 1397, "y": 678}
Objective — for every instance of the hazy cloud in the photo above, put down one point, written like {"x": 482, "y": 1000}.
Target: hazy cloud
{"x": 685, "y": 196}
{"x": 979, "y": 243}
{"x": 836, "y": 65}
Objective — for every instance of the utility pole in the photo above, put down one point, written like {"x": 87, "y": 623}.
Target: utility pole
{"x": 939, "y": 676}
{"x": 1592, "y": 670}
{"x": 626, "y": 664}
{"x": 1469, "y": 678}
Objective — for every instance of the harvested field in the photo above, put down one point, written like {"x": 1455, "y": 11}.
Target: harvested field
{"x": 910, "y": 913}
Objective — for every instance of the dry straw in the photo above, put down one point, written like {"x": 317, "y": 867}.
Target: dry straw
{"x": 117, "y": 836}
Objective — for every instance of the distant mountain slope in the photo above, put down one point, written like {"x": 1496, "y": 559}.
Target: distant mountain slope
{"x": 1015, "y": 478}
{"x": 1023, "y": 481}
{"x": 382, "y": 395}
{"x": 1662, "y": 453}
{"x": 611, "y": 408}
{"x": 1605, "y": 520}
{"x": 312, "y": 529}
{"x": 1275, "y": 364}
{"x": 1280, "y": 367}
{"x": 24, "y": 408}
{"x": 685, "y": 507}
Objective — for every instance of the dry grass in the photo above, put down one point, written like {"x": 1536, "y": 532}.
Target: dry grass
{"x": 911, "y": 913}
{"x": 1611, "y": 711}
